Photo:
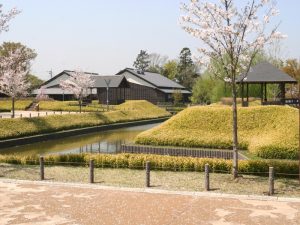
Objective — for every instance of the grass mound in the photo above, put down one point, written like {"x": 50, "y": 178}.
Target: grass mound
{"x": 268, "y": 131}
{"x": 138, "y": 110}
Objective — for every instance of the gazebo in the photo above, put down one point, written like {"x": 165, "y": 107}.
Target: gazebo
{"x": 263, "y": 74}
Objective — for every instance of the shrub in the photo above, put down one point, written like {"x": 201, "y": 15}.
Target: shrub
{"x": 158, "y": 162}
{"x": 266, "y": 131}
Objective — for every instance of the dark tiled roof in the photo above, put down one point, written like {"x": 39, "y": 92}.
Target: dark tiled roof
{"x": 114, "y": 80}
{"x": 265, "y": 73}
{"x": 155, "y": 79}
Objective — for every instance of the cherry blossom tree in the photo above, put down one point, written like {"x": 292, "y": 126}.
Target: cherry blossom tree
{"x": 231, "y": 37}
{"x": 79, "y": 84}
{"x": 6, "y": 17}
{"x": 13, "y": 80}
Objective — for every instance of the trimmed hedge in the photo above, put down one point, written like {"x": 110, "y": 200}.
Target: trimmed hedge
{"x": 270, "y": 132}
{"x": 128, "y": 111}
{"x": 168, "y": 163}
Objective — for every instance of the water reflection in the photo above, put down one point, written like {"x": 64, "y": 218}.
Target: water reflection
{"x": 100, "y": 142}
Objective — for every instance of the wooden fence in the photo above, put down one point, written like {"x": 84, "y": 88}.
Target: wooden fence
{"x": 199, "y": 153}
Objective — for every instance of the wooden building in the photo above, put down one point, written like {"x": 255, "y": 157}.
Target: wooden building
{"x": 128, "y": 84}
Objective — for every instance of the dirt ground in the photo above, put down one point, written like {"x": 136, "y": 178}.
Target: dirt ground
{"x": 43, "y": 203}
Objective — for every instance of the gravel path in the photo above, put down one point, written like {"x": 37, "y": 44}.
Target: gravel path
{"x": 43, "y": 203}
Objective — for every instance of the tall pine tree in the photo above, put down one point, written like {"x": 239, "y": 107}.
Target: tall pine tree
{"x": 142, "y": 61}
{"x": 187, "y": 70}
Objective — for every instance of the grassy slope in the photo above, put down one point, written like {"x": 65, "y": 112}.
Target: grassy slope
{"x": 268, "y": 131}
{"x": 128, "y": 111}
{"x": 5, "y": 105}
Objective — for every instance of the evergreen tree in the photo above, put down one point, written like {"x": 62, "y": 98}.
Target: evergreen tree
{"x": 142, "y": 61}
{"x": 187, "y": 70}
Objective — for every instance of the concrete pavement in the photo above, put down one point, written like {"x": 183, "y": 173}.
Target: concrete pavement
{"x": 43, "y": 203}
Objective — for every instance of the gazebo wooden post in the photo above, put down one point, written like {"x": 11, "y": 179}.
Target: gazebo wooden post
{"x": 242, "y": 94}
{"x": 262, "y": 93}
{"x": 265, "y": 92}
{"x": 247, "y": 93}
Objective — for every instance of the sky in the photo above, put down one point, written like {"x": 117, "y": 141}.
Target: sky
{"x": 105, "y": 36}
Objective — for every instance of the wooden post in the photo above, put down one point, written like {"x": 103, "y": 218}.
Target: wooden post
{"x": 271, "y": 181}
{"x": 42, "y": 170}
{"x": 29, "y": 115}
{"x": 206, "y": 177}
{"x": 60, "y": 112}
{"x": 21, "y": 115}
{"x": 38, "y": 114}
{"x": 91, "y": 171}
{"x": 46, "y": 113}
{"x": 147, "y": 174}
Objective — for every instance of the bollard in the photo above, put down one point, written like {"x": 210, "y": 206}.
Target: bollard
{"x": 69, "y": 112}
{"x": 46, "y": 113}
{"x": 206, "y": 170}
{"x": 271, "y": 181}
{"x": 147, "y": 174}
{"x": 60, "y": 112}
{"x": 38, "y": 114}
{"x": 91, "y": 171}
{"x": 29, "y": 115}
{"x": 21, "y": 115}
{"x": 42, "y": 171}
{"x": 53, "y": 113}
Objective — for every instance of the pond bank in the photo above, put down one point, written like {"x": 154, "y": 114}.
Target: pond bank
{"x": 74, "y": 132}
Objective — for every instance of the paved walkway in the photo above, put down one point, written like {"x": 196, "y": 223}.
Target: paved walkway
{"x": 25, "y": 202}
{"x": 27, "y": 114}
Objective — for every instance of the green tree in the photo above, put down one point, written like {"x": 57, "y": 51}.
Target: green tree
{"x": 27, "y": 54}
{"x": 187, "y": 70}
{"x": 142, "y": 61}
{"x": 34, "y": 81}
{"x": 170, "y": 69}
{"x": 177, "y": 97}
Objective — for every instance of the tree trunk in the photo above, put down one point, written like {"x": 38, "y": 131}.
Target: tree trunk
{"x": 234, "y": 132}
{"x": 13, "y": 107}
{"x": 80, "y": 104}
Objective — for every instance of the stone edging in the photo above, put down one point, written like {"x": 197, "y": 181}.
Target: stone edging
{"x": 72, "y": 132}
{"x": 154, "y": 191}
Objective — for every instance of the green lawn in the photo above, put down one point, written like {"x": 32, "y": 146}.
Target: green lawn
{"x": 183, "y": 181}
{"x": 6, "y": 105}
{"x": 70, "y": 106}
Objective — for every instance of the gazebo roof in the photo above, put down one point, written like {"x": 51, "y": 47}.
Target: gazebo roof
{"x": 265, "y": 73}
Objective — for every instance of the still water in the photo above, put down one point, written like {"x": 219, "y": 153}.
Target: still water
{"x": 101, "y": 142}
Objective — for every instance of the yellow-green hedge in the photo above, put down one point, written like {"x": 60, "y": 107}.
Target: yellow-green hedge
{"x": 170, "y": 163}
{"x": 128, "y": 111}
{"x": 266, "y": 131}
